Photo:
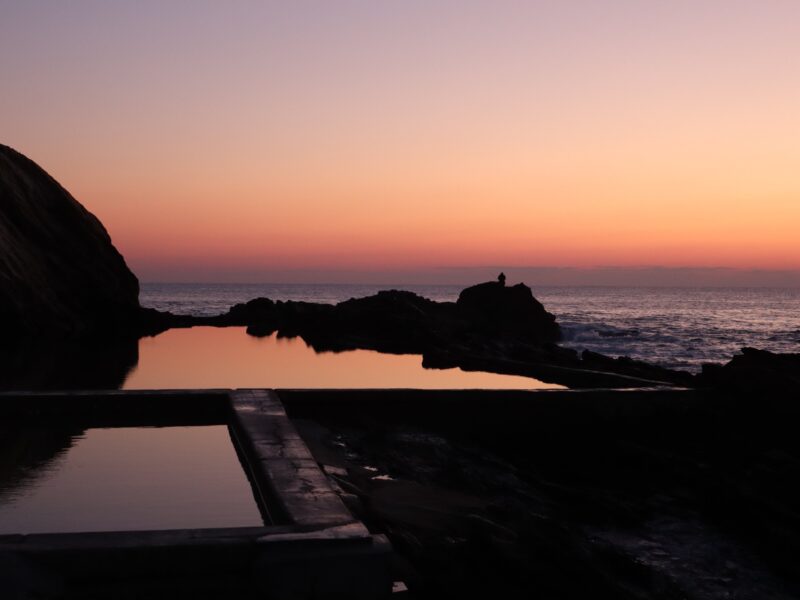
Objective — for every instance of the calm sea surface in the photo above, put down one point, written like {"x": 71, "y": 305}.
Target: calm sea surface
{"x": 673, "y": 327}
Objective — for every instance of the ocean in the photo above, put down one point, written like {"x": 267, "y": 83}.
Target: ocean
{"x": 679, "y": 328}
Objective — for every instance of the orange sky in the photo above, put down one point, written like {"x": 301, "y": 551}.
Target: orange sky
{"x": 316, "y": 135}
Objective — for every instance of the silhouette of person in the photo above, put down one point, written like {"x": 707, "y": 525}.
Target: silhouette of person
{"x": 502, "y": 279}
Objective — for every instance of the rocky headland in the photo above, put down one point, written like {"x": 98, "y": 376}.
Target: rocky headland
{"x": 69, "y": 305}
{"x": 60, "y": 275}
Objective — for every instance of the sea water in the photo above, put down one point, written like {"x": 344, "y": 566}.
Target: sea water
{"x": 679, "y": 328}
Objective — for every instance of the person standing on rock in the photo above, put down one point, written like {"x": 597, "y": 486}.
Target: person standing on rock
{"x": 502, "y": 279}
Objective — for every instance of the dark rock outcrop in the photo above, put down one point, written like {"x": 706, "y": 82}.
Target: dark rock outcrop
{"x": 60, "y": 275}
{"x": 390, "y": 321}
{"x": 756, "y": 372}
{"x": 403, "y": 322}
{"x": 492, "y": 306}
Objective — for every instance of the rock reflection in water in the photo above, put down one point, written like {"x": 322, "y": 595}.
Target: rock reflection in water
{"x": 66, "y": 365}
{"x": 29, "y": 452}
{"x": 208, "y": 357}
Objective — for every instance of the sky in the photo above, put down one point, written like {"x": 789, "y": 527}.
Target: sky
{"x": 283, "y": 141}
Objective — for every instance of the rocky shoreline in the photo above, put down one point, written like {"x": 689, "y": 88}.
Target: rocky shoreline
{"x": 490, "y": 328}
{"x": 619, "y": 495}
{"x": 68, "y": 298}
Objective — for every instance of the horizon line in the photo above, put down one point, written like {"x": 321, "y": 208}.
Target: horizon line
{"x": 605, "y": 276}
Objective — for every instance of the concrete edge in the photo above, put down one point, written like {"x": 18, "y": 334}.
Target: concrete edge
{"x": 279, "y": 460}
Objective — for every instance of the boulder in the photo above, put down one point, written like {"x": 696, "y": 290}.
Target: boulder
{"x": 258, "y": 310}
{"x": 60, "y": 275}
{"x": 756, "y": 373}
{"x": 510, "y": 311}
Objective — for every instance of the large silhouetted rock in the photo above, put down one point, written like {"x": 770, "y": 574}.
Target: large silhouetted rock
{"x": 60, "y": 275}
{"x": 508, "y": 310}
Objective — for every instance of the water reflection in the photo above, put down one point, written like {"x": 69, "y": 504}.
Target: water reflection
{"x": 207, "y": 357}
{"x": 28, "y": 450}
{"x": 31, "y": 364}
{"x": 122, "y": 479}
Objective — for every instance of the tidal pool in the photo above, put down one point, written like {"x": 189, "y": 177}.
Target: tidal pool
{"x": 209, "y": 357}
{"x": 57, "y": 480}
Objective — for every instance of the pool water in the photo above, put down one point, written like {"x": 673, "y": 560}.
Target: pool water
{"x": 122, "y": 479}
{"x": 209, "y": 357}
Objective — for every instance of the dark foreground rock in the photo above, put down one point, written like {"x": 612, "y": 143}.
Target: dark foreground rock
{"x": 562, "y": 495}
{"x": 60, "y": 274}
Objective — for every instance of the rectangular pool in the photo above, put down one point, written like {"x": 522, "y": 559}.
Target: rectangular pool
{"x": 58, "y": 480}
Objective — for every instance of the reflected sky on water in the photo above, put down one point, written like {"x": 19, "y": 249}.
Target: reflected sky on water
{"x": 122, "y": 479}
{"x": 208, "y": 357}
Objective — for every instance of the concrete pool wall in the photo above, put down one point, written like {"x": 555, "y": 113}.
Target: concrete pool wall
{"x": 311, "y": 546}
